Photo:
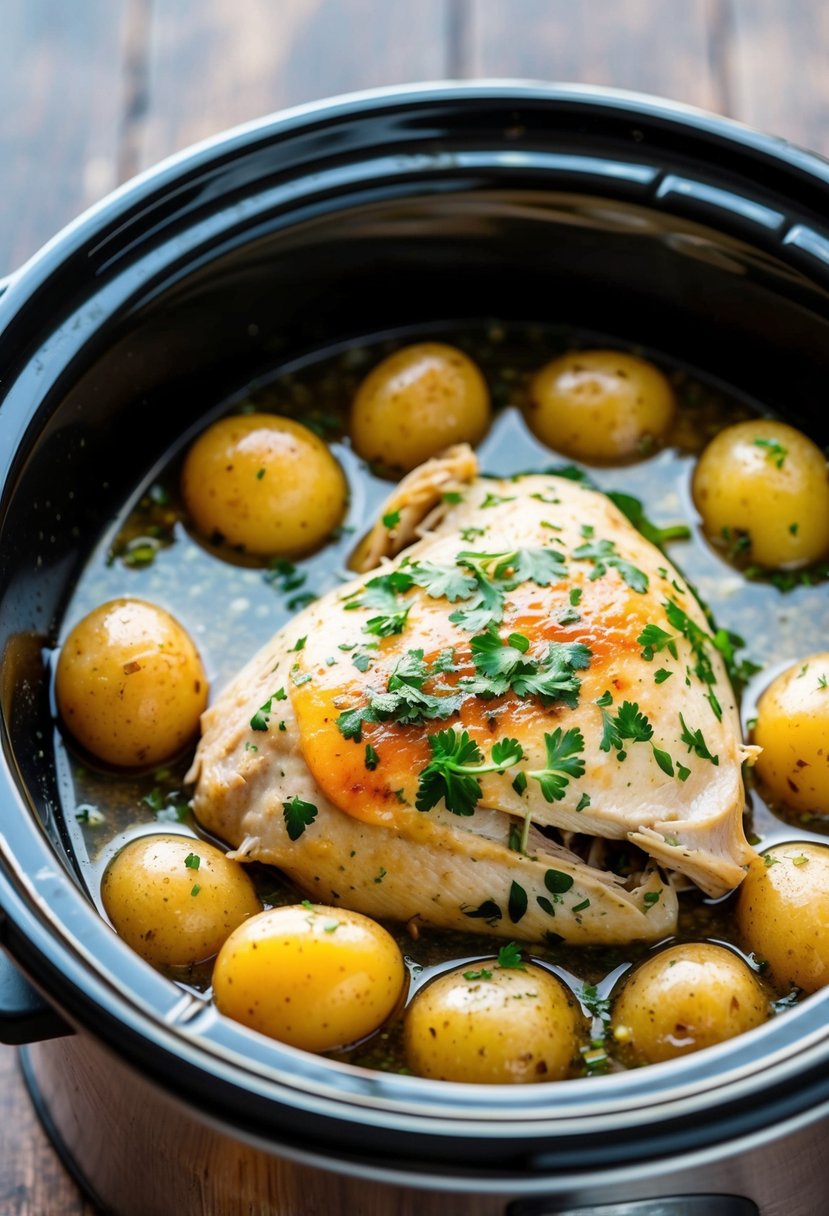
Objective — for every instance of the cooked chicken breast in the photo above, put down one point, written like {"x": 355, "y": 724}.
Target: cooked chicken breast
{"x": 462, "y": 733}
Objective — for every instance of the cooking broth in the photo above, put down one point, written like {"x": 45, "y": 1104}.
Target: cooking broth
{"x": 232, "y": 605}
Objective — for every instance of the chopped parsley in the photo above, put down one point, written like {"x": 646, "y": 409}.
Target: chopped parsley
{"x": 564, "y": 761}
{"x": 372, "y": 759}
{"x": 192, "y": 861}
{"x": 509, "y": 958}
{"x": 391, "y": 520}
{"x": 452, "y": 773}
{"x": 603, "y": 555}
{"x": 495, "y": 500}
{"x": 634, "y": 511}
{"x": 298, "y": 815}
{"x": 504, "y": 666}
{"x": 652, "y": 639}
{"x": 775, "y": 452}
{"x": 696, "y": 743}
{"x": 261, "y": 718}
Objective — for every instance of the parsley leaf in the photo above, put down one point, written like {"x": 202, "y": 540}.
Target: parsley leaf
{"x": 261, "y": 718}
{"x": 628, "y": 724}
{"x": 509, "y": 958}
{"x": 633, "y": 510}
{"x": 444, "y": 582}
{"x": 563, "y": 762}
{"x": 502, "y": 666}
{"x": 696, "y": 743}
{"x": 452, "y": 773}
{"x": 298, "y": 815}
{"x": 652, "y": 639}
{"x": 775, "y": 452}
{"x": 603, "y": 555}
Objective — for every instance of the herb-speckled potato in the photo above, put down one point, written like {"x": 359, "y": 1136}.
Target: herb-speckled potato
{"x": 176, "y": 899}
{"x": 762, "y": 489}
{"x": 600, "y": 406}
{"x": 316, "y": 977}
{"x": 783, "y": 913}
{"x": 416, "y": 402}
{"x": 492, "y": 1024}
{"x": 130, "y": 685}
{"x": 264, "y": 484}
{"x": 685, "y": 998}
{"x": 793, "y": 730}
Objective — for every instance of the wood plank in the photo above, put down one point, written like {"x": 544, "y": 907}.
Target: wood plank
{"x": 651, "y": 46}
{"x": 778, "y": 69}
{"x": 60, "y": 82}
{"x": 32, "y": 1180}
{"x": 245, "y": 58}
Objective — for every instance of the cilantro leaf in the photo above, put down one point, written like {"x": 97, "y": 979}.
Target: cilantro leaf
{"x": 298, "y": 815}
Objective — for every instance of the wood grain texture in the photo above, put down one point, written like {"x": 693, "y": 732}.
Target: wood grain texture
{"x": 654, "y": 46}
{"x": 32, "y": 1180}
{"x": 778, "y": 66}
{"x": 60, "y": 114}
{"x": 217, "y": 63}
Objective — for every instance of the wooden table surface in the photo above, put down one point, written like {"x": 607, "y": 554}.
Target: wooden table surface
{"x": 93, "y": 91}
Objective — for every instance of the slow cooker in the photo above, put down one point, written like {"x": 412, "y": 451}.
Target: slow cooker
{"x": 375, "y": 212}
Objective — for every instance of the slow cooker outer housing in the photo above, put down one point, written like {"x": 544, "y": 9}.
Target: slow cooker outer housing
{"x": 375, "y": 213}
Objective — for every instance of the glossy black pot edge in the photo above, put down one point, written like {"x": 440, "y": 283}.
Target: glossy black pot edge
{"x": 251, "y": 1103}
{"x": 180, "y": 190}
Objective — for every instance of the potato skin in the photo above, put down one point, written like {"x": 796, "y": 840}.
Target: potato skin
{"x": 766, "y": 481}
{"x": 130, "y": 685}
{"x": 685, "y": 998}
{"x": 265, "y": 484}
{"x": 171, "y": 913}
{"x": 601, "y": 406}
{"x": 419, "y": 400}
{"x": 516, "y": 1027}
{"x": 783, "y": 913}
{"x": 315, "y": 977}
{"x": 793, "y": 730}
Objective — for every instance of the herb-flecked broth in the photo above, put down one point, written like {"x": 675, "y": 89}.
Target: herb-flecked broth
{"x": 232, "y": 605}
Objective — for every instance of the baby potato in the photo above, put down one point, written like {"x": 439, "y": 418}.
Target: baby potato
{"x": 416, "y": 402}
{"x": 783, "y": 913}
{"x": 793, "y": 731}
{"x": 264, "y": 484}
{"x": 175, "y": 899}
{"x": 130, "y": 685}
{"x": 315, "y": 977}
{"x": 686, "y": 998}
{"x": 600, "y": 405}
{"x": 493, "y": 1025}
{"x": 762, "y": 489}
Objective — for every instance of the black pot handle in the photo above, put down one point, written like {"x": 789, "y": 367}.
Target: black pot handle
{"x": 24, "y": 1016}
